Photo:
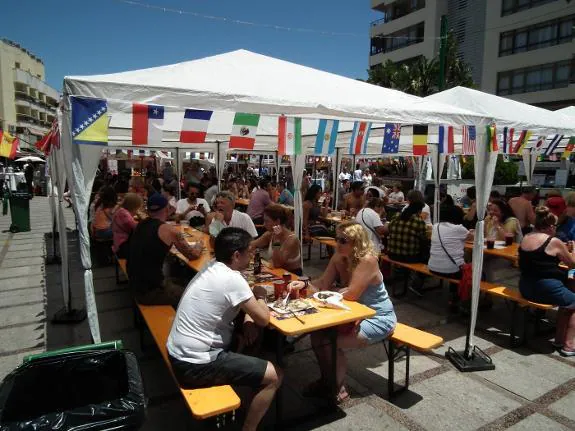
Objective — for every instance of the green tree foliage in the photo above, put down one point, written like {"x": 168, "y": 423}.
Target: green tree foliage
{"x": 420, "y": 77}
{"x": 506, "y": 173}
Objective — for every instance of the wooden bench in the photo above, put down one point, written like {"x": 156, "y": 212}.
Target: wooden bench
{"x": 508, "y": 294}
{"x": 204, "y": 403}
{"x": 403, "y": 339}
{"x": 322, "y": 240}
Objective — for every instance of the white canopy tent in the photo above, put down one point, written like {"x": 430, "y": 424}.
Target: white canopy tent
{"x": 505, "y": 113}
{"x": 239, "y": 81}
{"x": 568, "y": 112}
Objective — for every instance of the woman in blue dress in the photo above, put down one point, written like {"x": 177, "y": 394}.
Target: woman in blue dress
{"x": 355, "y": 266}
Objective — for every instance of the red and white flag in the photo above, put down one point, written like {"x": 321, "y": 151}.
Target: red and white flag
{"x": 147, "y": 122}
{"x": 469, "y": 137}
{"x": 195, "y": 126}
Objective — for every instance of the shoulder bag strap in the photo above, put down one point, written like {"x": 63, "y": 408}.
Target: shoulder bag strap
{"x": 368, "y": 226}
{"x": 443, "y": 247}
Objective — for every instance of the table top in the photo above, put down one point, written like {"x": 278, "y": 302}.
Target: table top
{"x": 242, "y": 201}
{"x": 331, "y": 219}
{"x": 195, "y": 236}
{"x": 324, "y": 318}
{"x": 510, "y": 252}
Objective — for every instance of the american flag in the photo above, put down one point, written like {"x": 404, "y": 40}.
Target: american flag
{"x": 468, "y": 140}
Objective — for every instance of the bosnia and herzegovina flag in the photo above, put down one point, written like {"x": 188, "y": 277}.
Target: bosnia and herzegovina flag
{"x": 89, "y": 121}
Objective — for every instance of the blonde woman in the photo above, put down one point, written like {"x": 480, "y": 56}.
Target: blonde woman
{"x": 355, "y": 266}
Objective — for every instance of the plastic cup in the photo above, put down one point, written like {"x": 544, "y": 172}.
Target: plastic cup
{"x": 278, "y": 288}
{"x": 508, "y": 239}
{"x": 490, "y": 243}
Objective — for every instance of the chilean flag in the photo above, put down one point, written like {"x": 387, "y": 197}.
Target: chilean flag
{"x": 359, "y": 137}
{"x": 195, "y": 126}
{"x": 147, "y": 122}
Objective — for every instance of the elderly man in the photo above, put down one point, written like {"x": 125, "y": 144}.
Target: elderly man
{"x": 149, "y": 245}
{"x": 226, "y": 216}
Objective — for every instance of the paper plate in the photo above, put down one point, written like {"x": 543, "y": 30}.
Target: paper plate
{"x": 318, "y": 296}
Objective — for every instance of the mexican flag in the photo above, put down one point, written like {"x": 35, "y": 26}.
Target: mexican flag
{"x": 244, "y": 131}
{"x": 289, "y": 135}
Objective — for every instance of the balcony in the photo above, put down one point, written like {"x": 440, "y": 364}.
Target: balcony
{"x": 24, "y": 99}
{"x": 23, "y": 77}
{"x": 398, "y": 9}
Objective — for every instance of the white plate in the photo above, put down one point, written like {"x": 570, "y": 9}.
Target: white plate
{"x": 496, "y": 247}
{"x": 336, "y": 295}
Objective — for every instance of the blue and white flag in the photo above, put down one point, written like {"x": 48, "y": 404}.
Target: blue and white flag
{"x": 326, "y": 137}
{"x": 553, "y": 144}
{"x": 89, "y": 121}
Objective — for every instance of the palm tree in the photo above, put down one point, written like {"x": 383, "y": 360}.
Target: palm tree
{"x": 420, "y": 77}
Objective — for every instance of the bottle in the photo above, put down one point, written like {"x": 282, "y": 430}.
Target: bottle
{"x": 257, "y": 263}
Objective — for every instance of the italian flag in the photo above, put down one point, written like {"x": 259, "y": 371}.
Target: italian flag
{"x": 244, "y": 131}
{"x": 289, "y": 135}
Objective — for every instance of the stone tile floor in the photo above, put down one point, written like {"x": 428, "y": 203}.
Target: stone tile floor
{"x": 531, "y": 388}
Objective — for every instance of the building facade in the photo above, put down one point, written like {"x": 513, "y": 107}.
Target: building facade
{"x": 27, "y": 104}
{"x": 521, "y": 49}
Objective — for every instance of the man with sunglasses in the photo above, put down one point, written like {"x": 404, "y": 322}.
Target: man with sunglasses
{"x": 193, "y": 208}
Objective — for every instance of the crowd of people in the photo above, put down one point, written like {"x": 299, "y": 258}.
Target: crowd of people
{"x": 202, "y": 337}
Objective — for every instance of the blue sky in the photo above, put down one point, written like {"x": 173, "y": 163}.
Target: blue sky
{"x": 85, "y": 37}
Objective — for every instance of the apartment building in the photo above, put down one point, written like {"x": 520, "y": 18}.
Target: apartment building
{"x": 521, "y": 49}
{"x": 27, "y": 104}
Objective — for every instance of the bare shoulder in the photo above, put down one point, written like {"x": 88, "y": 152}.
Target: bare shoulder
{"x": 369, "y": 262}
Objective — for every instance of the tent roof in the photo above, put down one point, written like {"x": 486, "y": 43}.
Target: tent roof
{"x": 243, "y": 81}
{"x": 506, "y": 112}
{"x": 569, "y": 111}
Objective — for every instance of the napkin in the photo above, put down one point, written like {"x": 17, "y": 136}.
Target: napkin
{"x": 333, "y": 302}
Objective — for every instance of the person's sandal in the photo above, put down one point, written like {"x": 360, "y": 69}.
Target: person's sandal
{"x": 567, "y": 353}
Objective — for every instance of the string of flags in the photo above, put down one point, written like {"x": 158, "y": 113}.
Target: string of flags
{"x": 90, "y": 124}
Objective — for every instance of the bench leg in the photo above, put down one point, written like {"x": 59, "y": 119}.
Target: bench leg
{"x": 516, "y": 340}
{"x": 394, "y": 353}
{"x": 117, "y": 270}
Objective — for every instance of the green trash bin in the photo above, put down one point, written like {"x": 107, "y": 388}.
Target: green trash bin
{"x": 20, "y": 211}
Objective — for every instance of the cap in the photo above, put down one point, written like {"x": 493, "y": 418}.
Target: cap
{"x": 556, "y": 205}
{"x": 157, "y": 202}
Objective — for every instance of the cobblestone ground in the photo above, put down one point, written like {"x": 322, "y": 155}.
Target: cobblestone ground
{"x": 531, "y": 388}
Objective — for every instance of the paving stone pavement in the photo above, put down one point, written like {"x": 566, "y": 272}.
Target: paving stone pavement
{"x": 532, "y": 388}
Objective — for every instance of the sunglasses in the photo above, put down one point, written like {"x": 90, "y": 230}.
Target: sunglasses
{"x": 341, "y": 240}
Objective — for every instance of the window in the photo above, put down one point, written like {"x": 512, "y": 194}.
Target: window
{"x": 399, "y": 39}
{"x": 536, "y": 78}
{"x": 538, "y": 36}
{"x": 509, "y": 7}
{"x": 17, "y": 65}
{"x": 460, "y": 31}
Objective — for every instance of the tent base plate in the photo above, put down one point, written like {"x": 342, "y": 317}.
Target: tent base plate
{"x": 69, "y": 316}
{"x": 477, "y": 361}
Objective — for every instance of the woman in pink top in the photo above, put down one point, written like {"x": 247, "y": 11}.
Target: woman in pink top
{"x": 123, "y": 223}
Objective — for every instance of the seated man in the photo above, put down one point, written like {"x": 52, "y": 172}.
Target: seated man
{"x": 200, "y": 338}
{"x": 354, "y": 200}
{"x": 226, "y": 216}
{"x": 259, "y": 200}
{"x": 149, "y": 245}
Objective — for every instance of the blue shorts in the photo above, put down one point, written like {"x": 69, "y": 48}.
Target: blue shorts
{"x": 547, "y": 291}
{"x": 378, "y": 328}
